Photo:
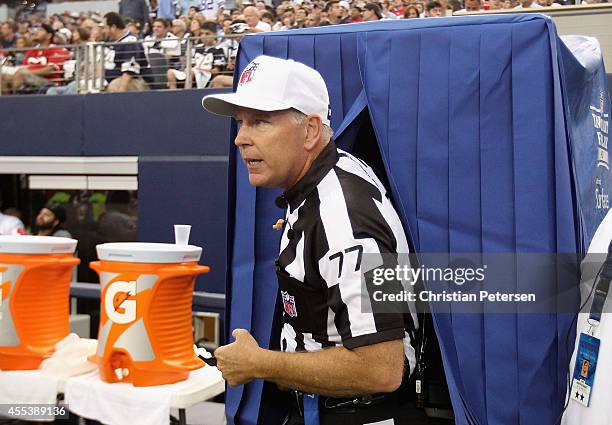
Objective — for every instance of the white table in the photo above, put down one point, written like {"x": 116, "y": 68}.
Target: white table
{"x": 185, "y": 397}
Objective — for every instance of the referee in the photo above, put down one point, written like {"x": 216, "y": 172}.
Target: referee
{"x": 343, "y": 363}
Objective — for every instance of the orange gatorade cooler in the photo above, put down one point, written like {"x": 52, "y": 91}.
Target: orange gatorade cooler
{"x": 145, "y": 332}
{"x": 34, "y": 298}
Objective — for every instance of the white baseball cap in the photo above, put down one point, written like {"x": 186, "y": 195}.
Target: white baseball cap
{"x": 272, "y": 84}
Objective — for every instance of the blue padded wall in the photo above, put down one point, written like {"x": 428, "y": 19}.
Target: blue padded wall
{"x": 41, "y": 125}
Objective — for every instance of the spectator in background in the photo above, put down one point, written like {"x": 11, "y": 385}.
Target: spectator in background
{"x": 434, "y": 9}
{"x": 56, "y": 23}
{"x": 62, "y": 37}
{"x": 267, "y": 18}
{"x": 9, "y": 36}
{"x": 179, "y": 28}
{"x": 372, "y": 12}
{"x": 300, "y": 17}
{"x": 195, "y": 27}
{"x": 11, "y": 225}
{"x": 187, "y": 22}
{"x": 224, "y": 28}
{"x": 228, "y": 42}
{"x": 208, "y": 60}
{"x": 23, "y": 29}
{"x": 42, "y": 66}
{"x": 192, "y": 12}
{"x": 288, "y": 19}
{"x": 549, "y": 3}
{"x": 135, "y": 9}
{"x": 411, "y": 12}
{"x": 397, "y": 8}
{"x": 313, "y": 20}
{"x": 472, "y": 6}
{"x": 134, "y": 28}
{"x": 89, "y": 25}
{"x": 421, "y": 8}
{"x": 356, "y": 14}
{"x": 97, "y": 34}
{"x": 22, "y": 43}
{"x": 384, "y": 9}
{"x": 125, "y": 60}
{"x": 80, "y": 35}
{"x": 251, "y": 17}
{"x": 334, "y": 12}
{"x": 49, "y": 222}
{"x": 18, "y": 57}
{"x": 162, "y": 40}
{"x": 447, "y": 9}
{"x": 228, "y": 79}
{"x": 528, "y": 4}
{"x": 345, "y": 9}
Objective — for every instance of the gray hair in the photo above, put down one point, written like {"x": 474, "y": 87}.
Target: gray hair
{"x": 257, "y": 12}
{"x": 298, "y": 118}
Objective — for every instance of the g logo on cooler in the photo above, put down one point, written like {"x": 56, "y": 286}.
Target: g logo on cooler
{"x": 119, "y": 308}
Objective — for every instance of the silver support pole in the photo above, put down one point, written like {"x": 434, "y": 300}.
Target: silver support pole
{"x": 188, "y": 64}
{"x": 1, "y": 63}
{"x": 94, "y": 68}
{"x": 100, "y": 55}
{"x": 78, "y": 57}
{"x": 85, "y": 89}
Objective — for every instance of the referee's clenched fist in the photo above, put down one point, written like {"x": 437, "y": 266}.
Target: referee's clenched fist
{"x": 238, "y": 361}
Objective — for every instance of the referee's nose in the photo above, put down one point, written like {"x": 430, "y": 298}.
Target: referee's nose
{"x": 242, "y": 137}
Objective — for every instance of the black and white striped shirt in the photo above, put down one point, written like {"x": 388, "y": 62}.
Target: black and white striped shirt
{"x": 337, "y": 213}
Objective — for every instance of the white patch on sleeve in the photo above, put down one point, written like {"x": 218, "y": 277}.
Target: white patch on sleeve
{"x": 296, "y": 268}
{"x": 288, "y": 334}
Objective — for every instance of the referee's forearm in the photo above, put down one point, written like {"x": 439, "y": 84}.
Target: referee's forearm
{"x": 337, "y": 372}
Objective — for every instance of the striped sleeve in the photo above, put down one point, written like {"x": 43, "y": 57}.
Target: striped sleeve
{"x": 351, "y": 213}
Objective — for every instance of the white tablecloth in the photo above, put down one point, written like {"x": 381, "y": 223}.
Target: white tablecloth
{"x": 124, "y": 404}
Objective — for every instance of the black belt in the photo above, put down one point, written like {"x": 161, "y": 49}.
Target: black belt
{"x": 344, "y": 404}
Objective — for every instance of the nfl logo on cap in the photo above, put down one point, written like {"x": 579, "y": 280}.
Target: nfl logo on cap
{"x": 272, "y": 84}
{"x": 247, "y": 74}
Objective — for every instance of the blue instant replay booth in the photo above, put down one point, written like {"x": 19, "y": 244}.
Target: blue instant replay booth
{"x": 492, "y": 135}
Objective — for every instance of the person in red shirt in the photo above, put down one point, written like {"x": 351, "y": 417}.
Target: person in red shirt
{"x": 398, "y": 8}
{"x": 356, "y": 14}
{"x": 41, "y": 66}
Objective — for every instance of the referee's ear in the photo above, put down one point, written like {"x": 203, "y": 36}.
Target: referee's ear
{"x": 314, "y": 133}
